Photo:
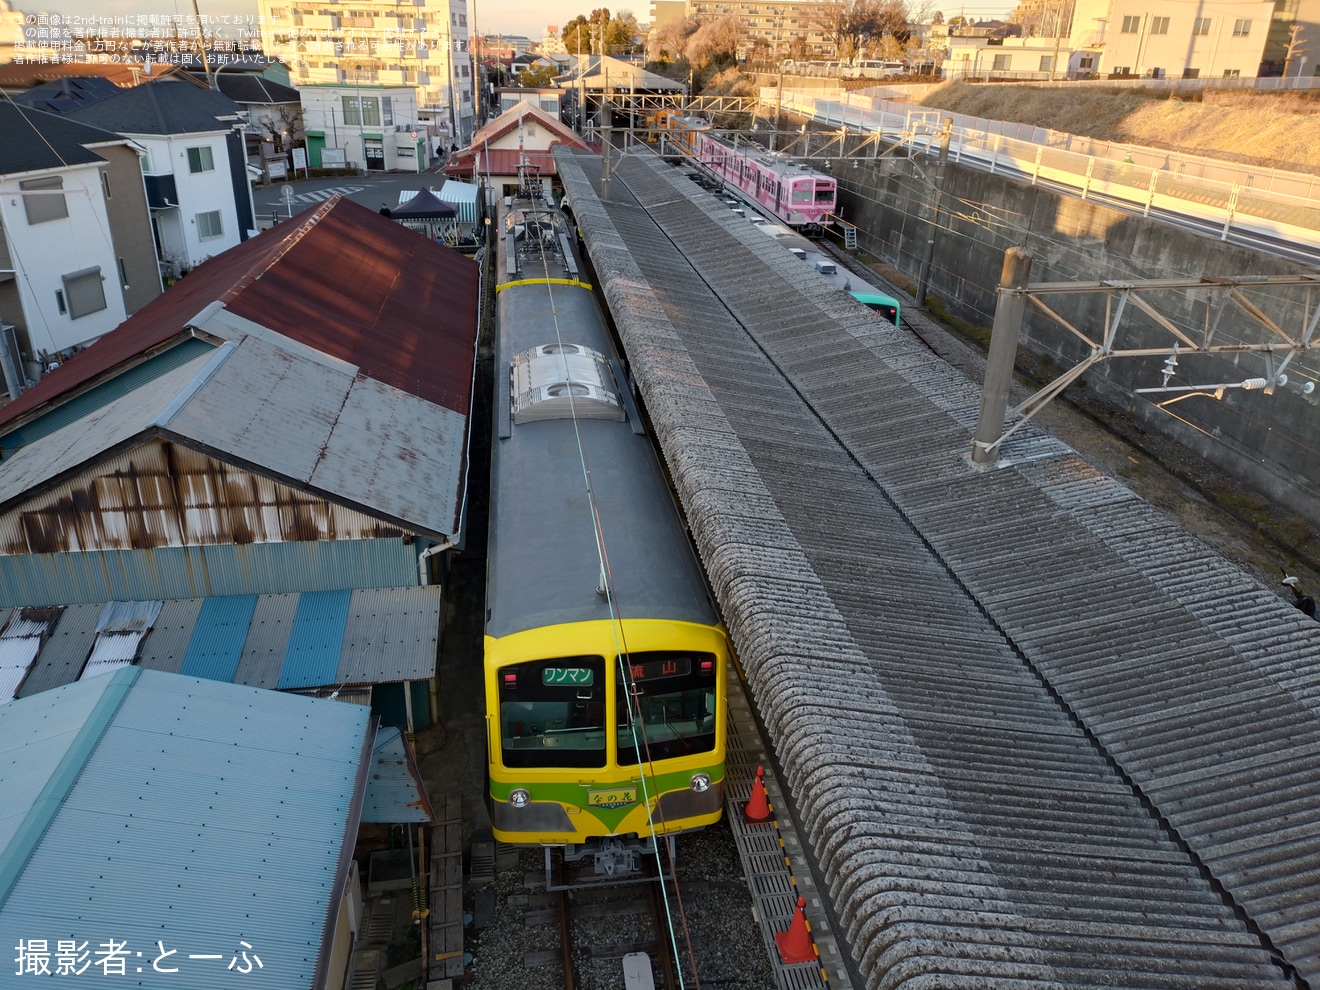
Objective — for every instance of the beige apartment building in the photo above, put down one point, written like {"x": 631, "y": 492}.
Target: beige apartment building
{"x": 380, "y": 44}
{"x": 1186, "y": 38}
{"x": 776, "y": 22}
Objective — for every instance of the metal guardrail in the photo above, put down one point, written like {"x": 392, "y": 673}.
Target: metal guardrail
{"x": 1230, "y": 196}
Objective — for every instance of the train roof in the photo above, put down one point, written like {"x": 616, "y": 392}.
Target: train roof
{"x": 542, "y": 565}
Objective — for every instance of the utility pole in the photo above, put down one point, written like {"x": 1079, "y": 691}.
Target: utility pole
{"x": 1004, "y": 336}
{"x": 937, "y": 210}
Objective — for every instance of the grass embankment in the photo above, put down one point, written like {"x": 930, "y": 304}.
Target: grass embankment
{"x": 1267, "y": 129}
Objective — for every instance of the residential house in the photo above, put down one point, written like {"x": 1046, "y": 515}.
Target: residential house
{"x": 269, "y": 461}
{"x": 198, "y": 183}
{"x": 76, "y": 248}
{"x": 375, "y": 127}
{"x": 516, "y": 144}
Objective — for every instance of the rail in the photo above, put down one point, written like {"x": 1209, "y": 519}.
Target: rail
{"x": 1223, "y": 197}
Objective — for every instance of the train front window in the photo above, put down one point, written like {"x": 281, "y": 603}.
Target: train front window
{"x": 670, "y": 696}
{"x": 825, "y": 194}
{"x": 801, "y": 192}
{"x": 552, "y": 712}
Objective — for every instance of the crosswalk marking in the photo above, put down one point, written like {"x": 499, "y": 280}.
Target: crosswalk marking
{"x": 321, "y": 195}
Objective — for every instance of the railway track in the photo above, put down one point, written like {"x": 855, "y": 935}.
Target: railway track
{"x": 606, "y": 931}
{"x": 609, "y": 931}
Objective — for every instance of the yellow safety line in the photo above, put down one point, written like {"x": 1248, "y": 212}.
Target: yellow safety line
{"x": 545, "y": 281}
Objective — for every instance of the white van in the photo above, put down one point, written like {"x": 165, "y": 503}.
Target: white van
{"x": 876, "y": 69}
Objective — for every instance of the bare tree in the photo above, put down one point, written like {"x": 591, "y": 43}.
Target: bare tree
{"x": 1296, "y": 48}
{"x": 670, "y": 42}
{"x": 850, "y": 23}
{"x": 716, "y": 41}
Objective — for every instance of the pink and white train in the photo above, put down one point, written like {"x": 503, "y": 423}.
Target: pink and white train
{"x": 797, "y": 194}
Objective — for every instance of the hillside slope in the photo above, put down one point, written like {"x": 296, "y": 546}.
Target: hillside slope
{"x": 1271, "y": 130}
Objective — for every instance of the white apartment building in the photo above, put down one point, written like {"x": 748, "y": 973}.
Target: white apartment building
{"x": 379, "y": 45}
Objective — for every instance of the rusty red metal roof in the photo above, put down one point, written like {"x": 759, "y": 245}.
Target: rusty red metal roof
{"x": 501, "y": 161}
{"x": 341, "y": 279}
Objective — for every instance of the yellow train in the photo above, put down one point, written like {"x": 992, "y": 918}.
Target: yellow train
{"x": 605, "y": 660}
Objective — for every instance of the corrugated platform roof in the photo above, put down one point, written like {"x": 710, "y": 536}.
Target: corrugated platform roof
{"x": 178, "y": 814}
{"x": 1023, "y": 752}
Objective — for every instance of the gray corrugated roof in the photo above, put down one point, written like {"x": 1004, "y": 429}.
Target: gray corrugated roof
{"x": 165, "y": 107}
{"x": 283, "y": 410}
{"x": 267, "y": 639}
{"x": 392, "y": 634}
{"x": 165, "y": 648}
{"x": 32, "y": 140}
{"x": 62, "y": 657}
{"x": 920, "y": 664}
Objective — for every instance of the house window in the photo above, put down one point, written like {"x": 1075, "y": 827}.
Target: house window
{"x": 1241, "y": 28}
{"x": 1047, "y": 63}
{"x": 1002, "y": 62}
{"x": 83, "y": 292}
{"x": 59, "y": 301}
{"x": 1191, "y": 73}
{"x": 364, "y": 112}
{"x": 387, "y": 111}
{"x": 105, "y": 183}
{"x": 200, "y": 160}
{"x": 1232, "y": 73}
{"x": 1159, "y": 25}
{"x": 123, "y": 273}
{"x": 44, "y": 199}
{"x": 1131, "y": 23}
{"x": 209, "y": 225}
{"x": 1200, "y": 26}
{"x": 1086, "y": 62}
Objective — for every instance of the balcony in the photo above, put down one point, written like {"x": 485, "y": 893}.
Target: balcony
{"x": 162, "y": 194}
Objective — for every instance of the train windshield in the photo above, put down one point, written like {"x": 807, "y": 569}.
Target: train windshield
{"x": 552, "y": 713}
{"x": 825, "y": 192}
{"x": 801, "y": 192}
{"x": 672, "y": 705}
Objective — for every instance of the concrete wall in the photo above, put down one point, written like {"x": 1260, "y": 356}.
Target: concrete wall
{"x": 1262, "y": 442}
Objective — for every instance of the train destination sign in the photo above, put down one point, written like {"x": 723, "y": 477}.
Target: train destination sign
{"x": 649, "y": 670}
{"x": 567, "y": 676}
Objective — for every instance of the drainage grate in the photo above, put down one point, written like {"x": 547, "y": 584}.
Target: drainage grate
{"x": 380, "y": 923}
{"x": 482, "y": 869}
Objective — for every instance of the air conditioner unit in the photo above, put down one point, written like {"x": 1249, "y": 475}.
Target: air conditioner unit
{"x": 799, "y": 253}
{"x": 826, "y": 267}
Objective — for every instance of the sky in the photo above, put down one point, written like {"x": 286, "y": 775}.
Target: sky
{"x": 488, "y": 16}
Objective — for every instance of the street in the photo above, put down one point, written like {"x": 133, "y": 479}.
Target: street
{"x": 283, "y": 200}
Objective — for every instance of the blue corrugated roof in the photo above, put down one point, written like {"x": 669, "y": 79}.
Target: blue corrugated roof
{"x": 395, "y": 792}
{"x": 149, "y": 807}
{"x": 217, "y": 639}
{"x": 317, "y": 637}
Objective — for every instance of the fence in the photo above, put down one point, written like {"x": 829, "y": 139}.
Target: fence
{"x": 1228, "y": 196}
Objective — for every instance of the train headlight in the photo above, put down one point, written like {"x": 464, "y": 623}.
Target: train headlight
{"x": 519, "y": 798}
{"x": 700, "y": 782}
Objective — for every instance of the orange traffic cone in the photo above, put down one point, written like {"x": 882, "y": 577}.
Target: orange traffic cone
{"x": 758, "y": 808}
{"x": 795, "y": 945}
